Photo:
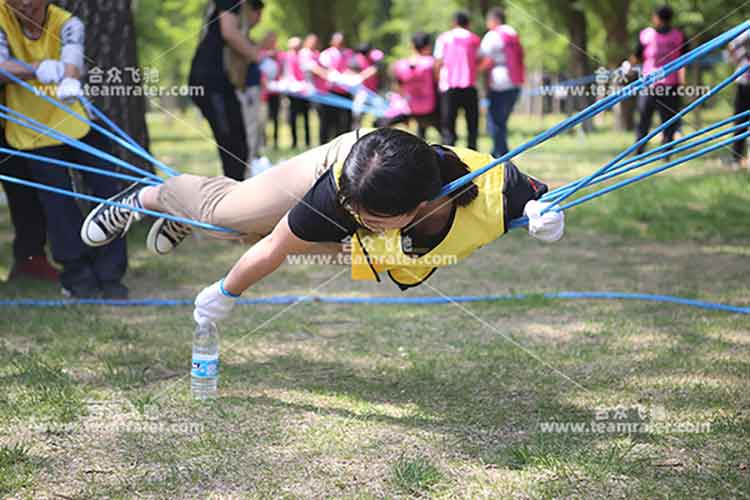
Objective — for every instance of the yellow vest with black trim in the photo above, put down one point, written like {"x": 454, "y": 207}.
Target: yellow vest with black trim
{"x": 47, "y": 46}
{"x": 475, "y": 225}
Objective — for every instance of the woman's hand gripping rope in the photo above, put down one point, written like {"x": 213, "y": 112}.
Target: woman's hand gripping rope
{"x": 547, "y": 227}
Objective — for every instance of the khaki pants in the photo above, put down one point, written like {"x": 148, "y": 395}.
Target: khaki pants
{"x": 252, "y": 207}
{"x": 255, "y": 121}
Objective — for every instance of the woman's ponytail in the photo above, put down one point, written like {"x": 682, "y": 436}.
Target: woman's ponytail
{"x": 452, "y": 168}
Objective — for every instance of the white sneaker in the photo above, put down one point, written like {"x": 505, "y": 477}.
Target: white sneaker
{"x": 106, "y": 222}
{"x": 165, "y": 235}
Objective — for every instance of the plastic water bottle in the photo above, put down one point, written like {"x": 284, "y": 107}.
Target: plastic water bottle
{"x": 204, "y": 373}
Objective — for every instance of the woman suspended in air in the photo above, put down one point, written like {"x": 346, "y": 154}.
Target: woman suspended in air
{"x": 375, "y": 190}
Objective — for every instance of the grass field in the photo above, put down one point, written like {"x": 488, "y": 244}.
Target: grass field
{"x": 521, "y": 399}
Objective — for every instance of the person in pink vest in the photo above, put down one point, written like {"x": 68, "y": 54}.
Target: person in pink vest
{"x": 657, "y": 46}
{"x": 293, "y": 74}
{"x": 335, "y": 60}
{"x": 503, "y": 62}
{"x": 309, "y": 56}
{"x": 456, "y": 61}
{"x": 417, "y": 97}
{"x": 367, "y": 57}
{"x": 270, "y": 69}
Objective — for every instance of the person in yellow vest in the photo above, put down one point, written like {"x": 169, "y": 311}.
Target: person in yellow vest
{"x": 50, "y": 41}
{"x": 375, "y": 189}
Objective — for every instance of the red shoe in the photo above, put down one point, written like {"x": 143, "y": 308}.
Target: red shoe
{"x": 36, "y": 267}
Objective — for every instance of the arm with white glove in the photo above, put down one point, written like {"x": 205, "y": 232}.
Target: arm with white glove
{"x": 547, "y": 227}
{"x": 69, "y": 88}
{"x": 216, "y": 302}
{"x": 50, "y": 71}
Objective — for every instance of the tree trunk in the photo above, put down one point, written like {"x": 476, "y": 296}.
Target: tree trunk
{"x": 619, "y": 48}
{"x": 579, "y": 61}
{"x": 110, "y": 45}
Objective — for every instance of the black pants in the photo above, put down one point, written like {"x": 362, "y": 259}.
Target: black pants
{"x": 453, "y": 100}
{"x": 667, "y": 103}
{"x": 222, "y": 110}
{"x": 741, "y": 104}
{"x": 82, "y": 265}
{"x": 274, "y": 104}
{"x": 299, "y": 107}
{"x": 334, "y": 121}
{"x": 423, "y": 122}
{"x": 26, "y": 211}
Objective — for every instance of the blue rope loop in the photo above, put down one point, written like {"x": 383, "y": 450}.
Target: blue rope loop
{"x": 602, "y": 105}
{"x": 436, "y": 300}
{"x": 130, "y": 144}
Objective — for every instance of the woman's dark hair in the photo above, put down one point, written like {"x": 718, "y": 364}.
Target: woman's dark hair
{"x": 665, "y": 13}
{"x": 421, "y": 40}
{"x": 389, "y": 172}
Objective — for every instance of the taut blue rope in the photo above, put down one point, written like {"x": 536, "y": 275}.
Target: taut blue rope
{"x": 96, "y": 199}
{"x": 586, "y": 180}
{"x": 602, "y": 105}
{"x": 139, "y": 151}
{"x": 24, "y": 121}
{"x": 293, "y": 299}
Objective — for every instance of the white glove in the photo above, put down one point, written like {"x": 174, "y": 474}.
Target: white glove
{"x": 69, "y": 88}
{"x": 548, "y": 227}
{"x": 50, "y": 71}
{"x": 626, "y": 67}
{"x": 213, "y": 304}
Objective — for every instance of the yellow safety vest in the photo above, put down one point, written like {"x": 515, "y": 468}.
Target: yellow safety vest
{"x": 473, "y": 226}
{"x": 48, "y": 46}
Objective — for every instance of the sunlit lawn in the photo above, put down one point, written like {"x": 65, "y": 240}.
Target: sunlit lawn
{"x": 454, "y": 400}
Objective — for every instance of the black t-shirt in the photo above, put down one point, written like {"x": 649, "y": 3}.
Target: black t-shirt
{"x": 207, "y": 67}
{"x": 319, "y": 217}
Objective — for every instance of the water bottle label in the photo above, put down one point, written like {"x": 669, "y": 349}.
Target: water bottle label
{"x": 205, "y": 366}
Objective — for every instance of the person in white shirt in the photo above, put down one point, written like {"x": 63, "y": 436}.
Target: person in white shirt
{"x": 503, "y": 63}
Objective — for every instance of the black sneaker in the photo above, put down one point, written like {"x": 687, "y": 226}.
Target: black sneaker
{"x": 106, "y": 223}
{"x": 114, "y": 291}
{"x": 166, "y": 234}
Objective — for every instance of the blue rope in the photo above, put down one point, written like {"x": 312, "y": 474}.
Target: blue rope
{"x": 96, "y": 199}
{"x": 139, "y": 151}
{"x": 75, "y": 166}
{"x": 523, "y": 221}
{"x": 441, "y": 300}
{"x": 586, "y": 180}
{"x": 336, "y": 101}
{"x": 654, "y": 171}
{"x": 546, "y": 89}
{"x": 601, "y": 105}
{"x": 651, "y": 158}
{"x": 668, "y": 146}
{"x": 42, "y": 129}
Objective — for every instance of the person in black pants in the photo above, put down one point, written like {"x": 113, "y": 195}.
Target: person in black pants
{"x": 657, "y": 46}
{"x": 456, "y": 60}
{"x": 29, "y": 223}
{"x": 219, "y": 103}
{"x": 87, "y": 272}
{"x": 299, "y": 107}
